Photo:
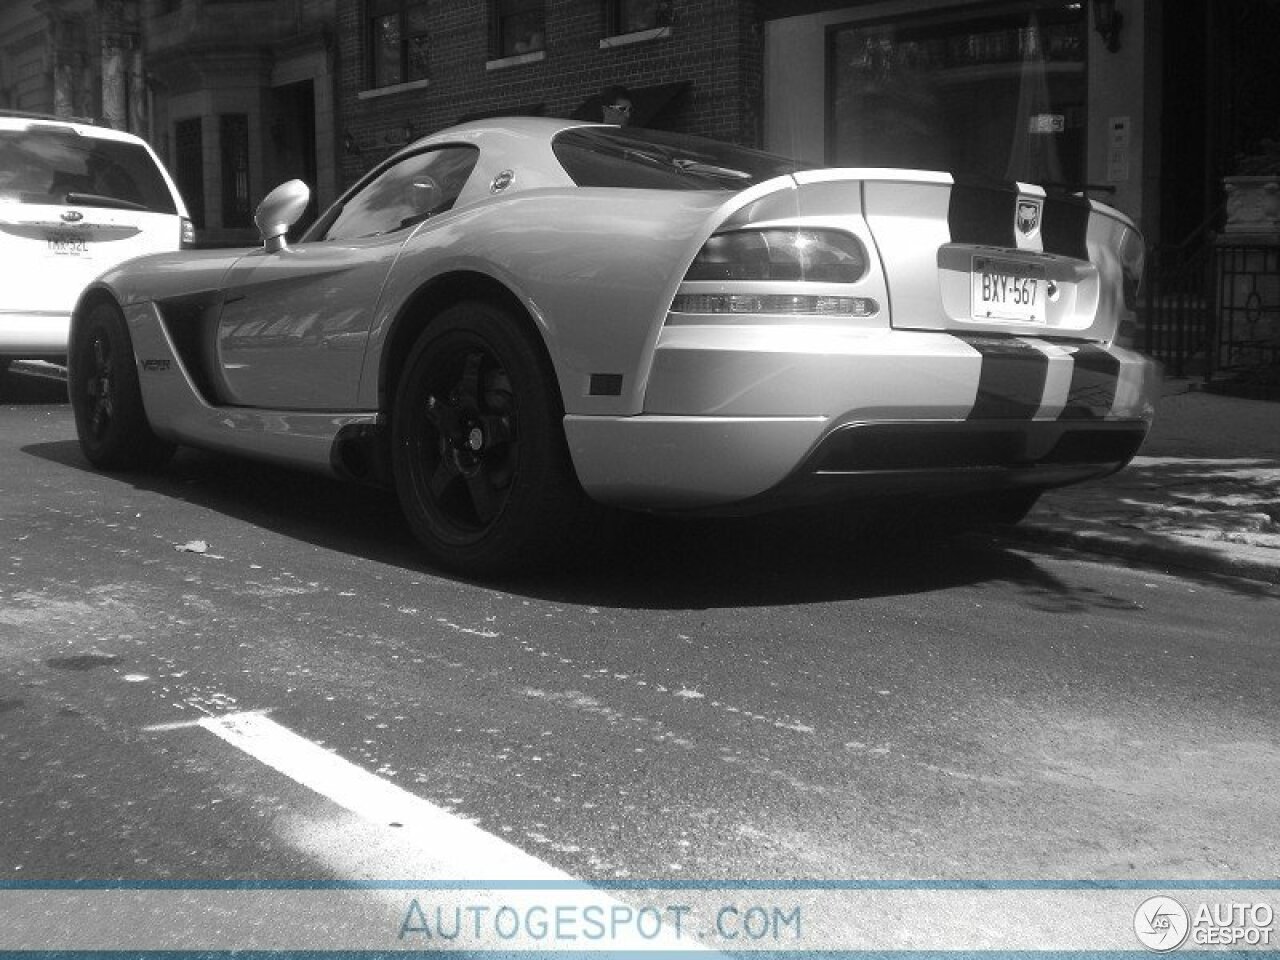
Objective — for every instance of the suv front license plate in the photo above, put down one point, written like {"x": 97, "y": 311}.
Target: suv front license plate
{"x": 1008, "y": 290}
{"x": 68, "y": 245}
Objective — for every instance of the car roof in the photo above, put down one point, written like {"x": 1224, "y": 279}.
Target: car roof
{"x": 23, "y": 120}
{"x": 507, "y": 126}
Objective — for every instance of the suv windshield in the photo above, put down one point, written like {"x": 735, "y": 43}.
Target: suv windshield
{"x": 51, "y": 164}
{"x": 653, "y": 160}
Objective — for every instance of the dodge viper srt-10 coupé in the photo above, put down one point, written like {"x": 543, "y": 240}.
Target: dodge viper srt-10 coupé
{"x": 511, "y": 320}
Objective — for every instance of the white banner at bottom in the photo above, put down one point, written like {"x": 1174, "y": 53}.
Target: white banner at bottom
{"x": 733, "y": 917}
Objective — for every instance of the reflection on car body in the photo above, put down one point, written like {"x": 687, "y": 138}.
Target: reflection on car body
{"x": 636, "y": 319}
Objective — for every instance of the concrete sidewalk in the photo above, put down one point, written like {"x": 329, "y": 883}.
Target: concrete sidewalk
{"x": 1203, "y": 493}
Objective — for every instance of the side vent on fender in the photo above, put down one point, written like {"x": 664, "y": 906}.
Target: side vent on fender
{"x": 605, "y": 385}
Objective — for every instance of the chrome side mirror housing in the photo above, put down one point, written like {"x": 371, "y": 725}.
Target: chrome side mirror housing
{"x": 279, "y": 210}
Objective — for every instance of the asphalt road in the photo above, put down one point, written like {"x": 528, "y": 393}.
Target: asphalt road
{"x": 730, "y": 700}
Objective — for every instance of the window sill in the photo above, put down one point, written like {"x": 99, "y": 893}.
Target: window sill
{"x": 392, "y": 90}
{"x": 518, "y": 60}
{"x": 640, "y": 36}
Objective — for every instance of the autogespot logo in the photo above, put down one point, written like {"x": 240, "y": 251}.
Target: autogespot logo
{"x": 1161, "y": 924}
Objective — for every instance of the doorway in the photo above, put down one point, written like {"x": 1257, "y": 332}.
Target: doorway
{"x": 293, "y": 142}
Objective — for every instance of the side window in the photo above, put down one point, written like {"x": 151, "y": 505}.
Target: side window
{"x": 406, "y": 193}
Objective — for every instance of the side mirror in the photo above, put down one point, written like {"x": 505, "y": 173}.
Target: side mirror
{"x": 279, "y": 210}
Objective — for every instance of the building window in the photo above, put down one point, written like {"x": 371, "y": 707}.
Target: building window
{"x": 1000, "y": 92}
{"x": 633, "y": 16}
{"x": 519, "y": 27}
{"x": 234, "y": 147}
{"x": 397, "y": 41}
{"x": 188, "y": 162}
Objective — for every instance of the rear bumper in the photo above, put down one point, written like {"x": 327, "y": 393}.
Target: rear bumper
{"x": 664, "y": 463}
{"x": 925, "y": 459}
{"x": 33, "y": 334}
{"x": 866, "y": 417}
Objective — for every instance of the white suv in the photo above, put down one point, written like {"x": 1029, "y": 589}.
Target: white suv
{"x": 75, "y": 200}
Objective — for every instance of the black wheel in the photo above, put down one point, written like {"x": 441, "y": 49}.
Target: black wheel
{"x": 478, "y": 451}
{"x": 102, "y": 379}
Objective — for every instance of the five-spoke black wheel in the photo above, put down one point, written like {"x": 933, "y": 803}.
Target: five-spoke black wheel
{"x": 478, "y": 452}
{"x": 102, "y": 379}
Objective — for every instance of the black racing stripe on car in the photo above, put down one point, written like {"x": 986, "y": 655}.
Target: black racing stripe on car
{"x": 1064, "y": 226}
{"x": 1012, "y": 382}
{"x": 1094, "y": 378}
{"x": 982, "y": 214}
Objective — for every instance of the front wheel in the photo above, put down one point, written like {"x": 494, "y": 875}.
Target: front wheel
{"x": 102, "y": 380}
{"x": 479, "y": 457}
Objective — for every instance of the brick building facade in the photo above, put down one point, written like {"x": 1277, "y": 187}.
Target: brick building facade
{"x": 696, "y": 67}
{"x": 237, "y": 95}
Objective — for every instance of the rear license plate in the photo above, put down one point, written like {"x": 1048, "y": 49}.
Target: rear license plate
{"x": 67, "y": 244}
{"x": 1008, "y": 290}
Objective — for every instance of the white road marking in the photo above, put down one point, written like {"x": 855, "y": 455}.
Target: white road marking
{"x": 441, "y": 847}
{"x": 477, "y": 853}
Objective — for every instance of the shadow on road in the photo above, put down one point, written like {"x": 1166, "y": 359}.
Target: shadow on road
{"x": 21, "y": 388}
{"x": 639, "y": 563}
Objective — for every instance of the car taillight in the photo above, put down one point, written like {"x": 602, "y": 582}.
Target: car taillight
{"x": 188, "y": 236}
{"x": 795, "y": 305}
{"x": 822, "y": 256}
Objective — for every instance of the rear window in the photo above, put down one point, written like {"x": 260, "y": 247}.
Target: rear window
{"x": 47, "y": 164}
{"x": 653, "y": 160}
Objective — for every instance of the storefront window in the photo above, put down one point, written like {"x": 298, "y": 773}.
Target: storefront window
{"x": 1000, "y": 93}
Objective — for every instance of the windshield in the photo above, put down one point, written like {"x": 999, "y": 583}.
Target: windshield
{"x": 654, "y": 160}
{"x": 56, "y": 165}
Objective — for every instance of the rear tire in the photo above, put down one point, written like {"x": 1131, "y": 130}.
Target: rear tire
{"x": 102, "y": 380}
{"x": 479, "y": 456}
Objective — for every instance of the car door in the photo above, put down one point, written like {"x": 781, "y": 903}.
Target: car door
{"x": 294, "y": 323}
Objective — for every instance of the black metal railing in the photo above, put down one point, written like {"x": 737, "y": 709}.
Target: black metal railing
{"x": 1179, "y": 305}
{"x": 1247, "y": 337}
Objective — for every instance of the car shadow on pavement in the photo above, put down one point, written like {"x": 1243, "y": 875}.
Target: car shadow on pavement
{"x": 638, "y": 562}
{"x": 23, "y": 387}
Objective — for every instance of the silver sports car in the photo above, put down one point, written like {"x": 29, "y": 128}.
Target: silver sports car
{"x": 512, "y": 319}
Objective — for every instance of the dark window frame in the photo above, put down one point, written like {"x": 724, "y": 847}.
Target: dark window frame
{"x": 979, "y": 20}
{"x": 411, "y": 62}
{"x": 620, "y": 20}
{"x": 505, "y": 16}
{"x": 233, "y": 146}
